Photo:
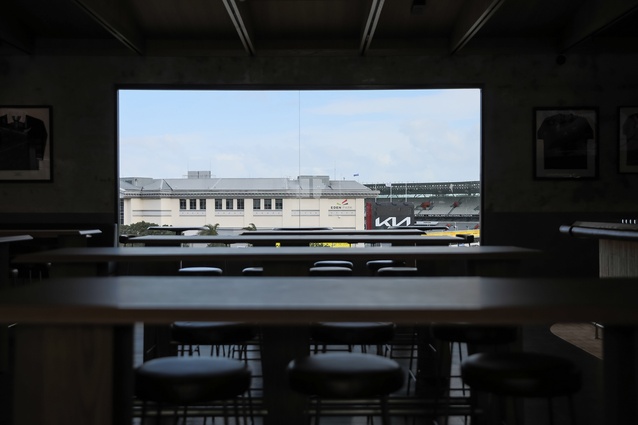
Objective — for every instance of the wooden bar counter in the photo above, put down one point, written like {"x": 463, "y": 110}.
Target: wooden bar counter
{"x": 617, "y": 257}
{"x": 73, "y": 349}
{"x": 299, "y": 240}
{"x": 282, "y": 261}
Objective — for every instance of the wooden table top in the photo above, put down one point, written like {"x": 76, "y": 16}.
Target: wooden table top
{"x": 292, "y": 231}
{"x": 50, "y": 233}
{"x": 298, "y": 300}
{"x": 280, "y": 254}
{"x": 15, "y": 238}
{"x": 299, "y": 240}
{"x": 176, "y": 229}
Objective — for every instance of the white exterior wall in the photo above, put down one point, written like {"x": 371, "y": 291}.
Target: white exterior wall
{"x": 160, "y": 211}
{"x": 331, "y": 212}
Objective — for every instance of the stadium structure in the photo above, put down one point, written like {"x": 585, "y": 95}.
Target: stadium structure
{"x": 455, "y": 205}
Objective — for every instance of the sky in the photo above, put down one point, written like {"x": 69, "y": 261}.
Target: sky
{"x": 372, "y": 136}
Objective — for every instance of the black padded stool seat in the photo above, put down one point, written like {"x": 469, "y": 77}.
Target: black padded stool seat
{"x": 345, "y": 375}
{"x": 193, "y": 334}
{"x": 397, "y": 271}
{"x": 188, "y": 380}
{"x": 475, "y": 334}
{"x": 348, "y": 333}
{"x": 212, "y": 333}
{"x": 474, "y": 337}
{"x": 200, "y": 271}
{"x": 351, "y": 333}
{"x": 330, "y": 271}
{"x": 252, "y": 271}
{"x": 333, "y": 263}
{"x": 374, "y": 265}
{"x": 521, "y": 374}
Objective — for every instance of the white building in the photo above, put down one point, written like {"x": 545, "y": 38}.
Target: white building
{"x": 235, "y": 203}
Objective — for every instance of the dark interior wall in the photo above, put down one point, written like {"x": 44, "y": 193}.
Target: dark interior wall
{"x": 517, "y": 209}
{"x": 521, "y": 210}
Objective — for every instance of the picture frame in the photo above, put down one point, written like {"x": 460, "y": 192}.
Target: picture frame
{"x": 565, "y": 143}
{"x": 628, "y": 139}
{"x": 26, "y": 143}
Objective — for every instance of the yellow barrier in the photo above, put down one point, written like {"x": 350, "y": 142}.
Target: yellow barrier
{"x": 475, "y": 232}
{"x": 326, "y": 244}
{"x": 332, "y": 244}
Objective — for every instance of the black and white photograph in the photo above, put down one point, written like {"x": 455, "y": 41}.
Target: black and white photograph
{"x": 628, "y": 139}
{"x": 565, "y": 143}
{"x": 25, "y": 143}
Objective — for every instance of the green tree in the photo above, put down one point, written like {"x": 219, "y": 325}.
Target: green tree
{"x": 140, "y": 229}
{"x": 251, "y": 227}
{"x": 136, "y": 229}
{"x": 211, "y": 230}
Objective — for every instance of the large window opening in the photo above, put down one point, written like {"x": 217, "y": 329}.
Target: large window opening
{"x": 337, "y": 158}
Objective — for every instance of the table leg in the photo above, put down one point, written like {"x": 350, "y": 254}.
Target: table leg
{"x": 620, "y": 354}
{"x": 427, "y": 374}
{"x": 4, "y": 265}
{"x": 281, "y": 344}
{"x": 72, "y": 374}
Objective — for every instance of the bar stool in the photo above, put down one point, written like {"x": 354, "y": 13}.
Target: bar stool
{"x": 188, "y": 381}
{"x": 348, "y": 333}
{"x": 523, "y": 374}
{"x": 352, "y": 334}
{"x": 470, "y": 338}
{"x": 200, "y": 271}
{"x": 330, "y": 271}
{"x": 252, "y": 271}
{"x": 397, "y": 271}
{"x": 374, "y": 265}
{"x": 405, "y": 338}
{"x": 346, "y": 376}
{"x": 236, "y": 335}
{"x": 30, "y": 272}
{"x": 333, "y": 263}
{"x": 216, "y": 334}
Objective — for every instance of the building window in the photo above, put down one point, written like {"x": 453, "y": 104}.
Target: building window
{"x": 202, "y": 204}
{"x": 268, "y": 204}
{"x": 240, "y": 204}
{"x": 279, "y": 204}
{"x": 192, "y": 204}
{"x": 182, "y": 204}
{"x": 256, "y": 204}
{"x": 218, "y": 204}
{"x": 229, "y": 204}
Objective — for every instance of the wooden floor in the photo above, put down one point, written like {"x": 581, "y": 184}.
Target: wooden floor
{"x": 586, "y": 336}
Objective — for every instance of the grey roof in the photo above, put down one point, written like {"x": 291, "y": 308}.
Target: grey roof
{"x": 282, "y": 187}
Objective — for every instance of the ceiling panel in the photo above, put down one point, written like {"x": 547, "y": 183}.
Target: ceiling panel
{"x": 296, "y": 27}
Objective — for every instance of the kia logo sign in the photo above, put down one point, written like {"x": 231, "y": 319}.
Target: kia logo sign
{"x": 392, "y": 222}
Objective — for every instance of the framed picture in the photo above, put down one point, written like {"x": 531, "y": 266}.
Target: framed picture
{"x": 565, "y": 143}
{"x": 25, "y": 143}
{"x": 628, "y": 139}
